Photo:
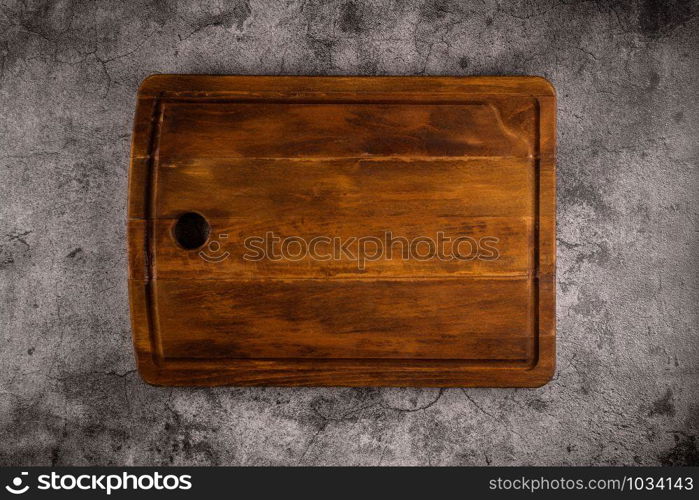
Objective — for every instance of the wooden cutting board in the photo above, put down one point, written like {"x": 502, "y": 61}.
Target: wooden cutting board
{"x": 286, "y": 231}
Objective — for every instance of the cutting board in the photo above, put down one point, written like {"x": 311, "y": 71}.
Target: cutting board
{"x": 352, "y": 231}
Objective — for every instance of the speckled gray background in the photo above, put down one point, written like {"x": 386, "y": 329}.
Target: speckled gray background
{"x": 627, "y": 386}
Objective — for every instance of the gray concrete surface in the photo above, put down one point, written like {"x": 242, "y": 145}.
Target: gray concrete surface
{"x": 627, "y": 385}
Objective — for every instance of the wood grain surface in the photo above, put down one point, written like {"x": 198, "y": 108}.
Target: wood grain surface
{"x": 359, "y": 160}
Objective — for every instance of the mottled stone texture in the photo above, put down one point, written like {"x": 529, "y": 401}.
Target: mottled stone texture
{"x": 627, "y": 386}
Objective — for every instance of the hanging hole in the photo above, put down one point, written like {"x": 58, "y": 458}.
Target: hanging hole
{"x": 191, "y": 231}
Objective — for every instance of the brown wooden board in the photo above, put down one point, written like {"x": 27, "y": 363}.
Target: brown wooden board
{"x": 441, "y": 189}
